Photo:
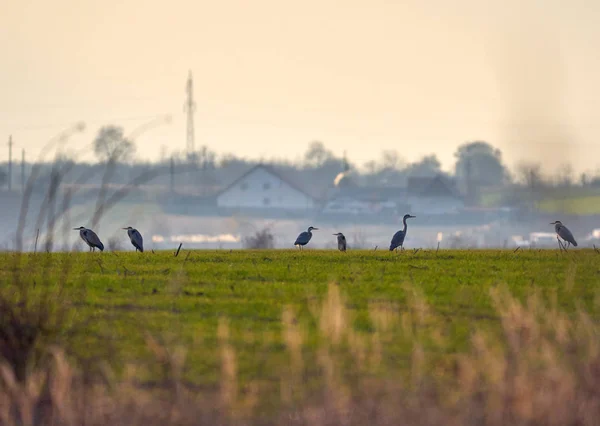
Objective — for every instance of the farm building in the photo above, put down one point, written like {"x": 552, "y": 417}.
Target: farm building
{"x": 421, "y": 195}
{"x": 262, "y": 187}
{"x": 433, "y": 196}
{"x": 364, "y": 200}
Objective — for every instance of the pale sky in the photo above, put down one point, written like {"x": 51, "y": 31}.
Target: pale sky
{"x": 272, "y": 75}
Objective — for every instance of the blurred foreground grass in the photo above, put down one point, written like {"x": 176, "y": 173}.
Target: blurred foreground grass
{"x": 286, "y": 324}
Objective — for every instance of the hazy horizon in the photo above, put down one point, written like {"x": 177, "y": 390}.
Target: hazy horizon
{"x": 270, "y": 78}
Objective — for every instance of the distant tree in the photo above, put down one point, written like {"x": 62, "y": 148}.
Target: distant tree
{"x": 317, "y": 155}
{"x": 64, "y": 160}
{"x": 478, "y": 164}
{"x": 529, "y": 174}
{"x": 428, "y": 166}
{"x": 206, "y": 158}
{"x": 565, "y": 175}
{"x": 391, "y": 160}
{"x": 370, "y": 167}
{"x": 111, "y": 144}
{"x": 584, "y": 180}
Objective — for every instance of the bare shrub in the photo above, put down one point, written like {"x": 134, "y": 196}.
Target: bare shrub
{"x": 114, "y": 243}
{"x": 30, "y": 321}
{"x": 263, "y": 239}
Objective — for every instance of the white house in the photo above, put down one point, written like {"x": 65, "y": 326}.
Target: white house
{"x": 263, "y": 188}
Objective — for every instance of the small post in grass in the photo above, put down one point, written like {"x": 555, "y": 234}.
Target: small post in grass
{"x": 37, "y": 235}
{"x": 178, "y": 248}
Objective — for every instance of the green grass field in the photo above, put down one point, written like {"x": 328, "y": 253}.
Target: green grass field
{"x": 311, "y": 326}
{"x": 583, "y": 205}
{"x": 122, "y": 298}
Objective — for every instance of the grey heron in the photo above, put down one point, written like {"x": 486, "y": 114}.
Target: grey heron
{"x": 563, "y": 232}
{"x": 398, "y": 238}
{"x": 136, "y": 238}
{"x": 304, "y": 237}
{"x": 341, "y": 240}
{"x": 90, "y": 238}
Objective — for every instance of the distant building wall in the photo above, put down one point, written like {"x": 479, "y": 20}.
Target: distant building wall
{"x": 261, "y": 189}
{"x": 434, "y": 205}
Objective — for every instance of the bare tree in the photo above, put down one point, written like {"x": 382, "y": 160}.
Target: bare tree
{"x": 565, "y": 175}
{"x": 111, "y": 144}
{"x": 427, "y": 166}
{"x": 317, "y": 155}
{"x": 391, "y": 160}
{"x": 529, "y": 174}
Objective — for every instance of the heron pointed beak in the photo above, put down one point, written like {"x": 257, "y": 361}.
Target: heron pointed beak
{"x": 76, "y": 229}
{"x": 315, "y": 229}
{"x": 125, "y": 228}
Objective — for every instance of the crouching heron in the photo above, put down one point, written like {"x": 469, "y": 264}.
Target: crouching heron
{"x": 90, "y": 238}
{"x": 398, "y": 238}
{"x": 563, "y": 232}
{"x": 341, "y": 240}
{"x": 304, "y": 237}
{"x": 136, "y": 238}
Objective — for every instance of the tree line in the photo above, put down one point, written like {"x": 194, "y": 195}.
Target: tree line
{"x": 478, "y": 165}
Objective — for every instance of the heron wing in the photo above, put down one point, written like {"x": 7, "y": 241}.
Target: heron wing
{"x": 566, "y": 235}
{"x": 303, "y": 238}
{"x": 83, "y": 235}
{"x": 397, "y": 240}
{"x": 93, "y": 240}
{"x": 342, "y": 243}
{"x": 137, "y": 240}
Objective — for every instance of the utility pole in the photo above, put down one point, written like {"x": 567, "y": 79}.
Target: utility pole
{"x": 23, "y": 170}
{"x": 190, "y": 107}
{"x": 172, "y": 170}
{"x": 10, "y": 144}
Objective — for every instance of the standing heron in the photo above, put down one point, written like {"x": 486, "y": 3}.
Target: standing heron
{"x": 563, "y": 232}
{"x": 136, "y": 238}
{"x": 304, "y": 237}
{"x": 341, "y": 241}
{"x": 90, "y": 238}
{"x": 398, "y": 238}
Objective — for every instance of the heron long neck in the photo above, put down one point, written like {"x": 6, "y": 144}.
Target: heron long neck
{"x": 404, "y": 222}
